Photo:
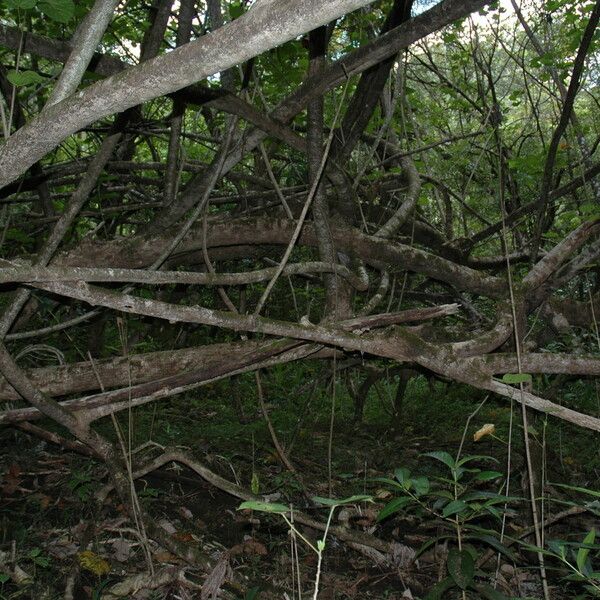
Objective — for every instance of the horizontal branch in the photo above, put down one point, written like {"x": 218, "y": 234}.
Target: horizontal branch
{"x": 95, "y": 406}
{"x": 78, "y": 377}
{"x": 385, "y": 347}
{"x": 26, "y": 274}
{"x": 564, "y": 250}
{"x": 108, "y": 373}
{"x": 544, "y": 406}
{"x": 540, "y": 362}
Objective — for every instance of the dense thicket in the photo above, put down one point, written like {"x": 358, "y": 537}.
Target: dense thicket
{"x": 195, "y": 190}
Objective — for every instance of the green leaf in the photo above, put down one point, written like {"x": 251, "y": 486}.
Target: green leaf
{"x": 443, "y": 457}
{"x": 489, "y": 593}
{"x": 60, "y": 11}
{"x": 236, "y": 10}
{"x": 4, "y": 577}
{"x": 494, "y": 512}
{"x": 582, "y": 553}
{"x": 461, "y": 567}
{"x": 578, "y": 489}
{"x": 487, "y": 475}
{"x": 21, "y": 78}
{"x": 421, "y": 485}
{"x": 443, "y": 493}
{"x": 393, "y": 506}
{"x": 454, "y": 507}
{"x": 438, "y": 591}
{"x": 473, "y": 457}
{"x": 336, "y": 502}
{"x": 255, "y": 484}
{"x": 558, "y": 547}
{"x": 488, "y": 496}
{"x": 402, "y": 475}
{"x": 490, "y": 540}
{"x": 515, "y": 378}
{"x": 252, "y": 594}
{"x": 269, "y": 507}
{"x": 20, "y": 4}
{"x": 388, "y": 481}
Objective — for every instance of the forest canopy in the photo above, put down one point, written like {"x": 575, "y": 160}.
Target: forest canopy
{"x": 337, "y": 204}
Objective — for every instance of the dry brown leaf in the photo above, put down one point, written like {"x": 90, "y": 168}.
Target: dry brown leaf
{"x": 382, "y": 494}
{"x": 487, "y": 429}
{"x": 167, "y": 526}
{"x": 249, "y": 547}
{"x": 216, "y": 578}
{"x": 62, "y": 548}
{"x": 121, "y": 549}
{"x": 45, "y": 501}
{"x": 11, "y": 479}
{"x": 130, "y": 587}
{"x": 164, "y": 557}
{"x": 20, "y": 577}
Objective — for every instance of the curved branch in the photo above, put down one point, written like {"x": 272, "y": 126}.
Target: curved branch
{"x": 265, "y": 26}
{"x": 139, "y": 251}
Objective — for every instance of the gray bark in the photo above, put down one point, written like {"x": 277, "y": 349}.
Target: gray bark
{"x": 84, "y": 43}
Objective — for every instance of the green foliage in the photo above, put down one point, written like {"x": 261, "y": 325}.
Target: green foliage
{"x": 38, "y": 558}
{"x": 236, "y": 9}
{"x": 17, "y": 235}
{"x": 20, "y": 4}
{"x": 469, "y": 504}
{"x": 21, "y": 78}
{"x": 333, "y": 502}
{"x": 461, "y": 570}
{"x": 461, "y": 567}
{"x": 576, "y": 557}
{"x": 252, "y": 594}
{"x": 458, "y": 502}
{"x": 583, "y": 564}
{"x": 60, "y": 11}
{"x": 580, "y": 490}
{"x": 81, "y": 483}
{"x": 516, "y": 378}
{"x": 442, "y": 95}
{"x": 268, "y": 507}
{"x": 149, "y": 492}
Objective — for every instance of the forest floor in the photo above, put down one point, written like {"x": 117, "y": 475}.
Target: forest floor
{"x": 52, "y": 531}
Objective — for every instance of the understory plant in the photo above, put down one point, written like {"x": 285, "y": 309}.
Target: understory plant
{"x": 459, "y": 501}
{"x": 577, "y": 558}
{"x": 473, "y": 516}
{"x": 580, "y": 559}
{"x": 319, "y": 547}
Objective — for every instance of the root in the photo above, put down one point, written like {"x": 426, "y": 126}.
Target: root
{"x": 355, "y": 539}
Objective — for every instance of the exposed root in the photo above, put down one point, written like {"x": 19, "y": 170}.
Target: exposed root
{"x": 360, "y": 541}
